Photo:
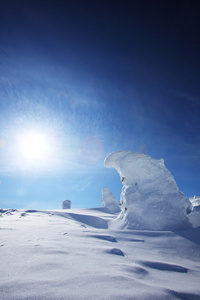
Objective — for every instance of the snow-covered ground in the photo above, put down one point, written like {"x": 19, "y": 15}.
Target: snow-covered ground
{"x": 79, "y": 254}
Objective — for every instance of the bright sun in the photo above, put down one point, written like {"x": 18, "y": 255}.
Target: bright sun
{"x": 33, "y": 146}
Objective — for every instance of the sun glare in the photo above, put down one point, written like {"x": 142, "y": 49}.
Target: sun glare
{"x": 34, "y": 146}
{"x": 38, "y": 149}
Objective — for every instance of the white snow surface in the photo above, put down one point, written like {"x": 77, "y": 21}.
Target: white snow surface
{"x": 77, "y": 254}
{"x": 150, "y": 197}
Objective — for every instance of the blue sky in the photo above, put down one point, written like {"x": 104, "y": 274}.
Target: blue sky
{"x": 96, "y": 77}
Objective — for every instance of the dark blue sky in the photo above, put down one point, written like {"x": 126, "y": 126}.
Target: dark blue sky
{"x": 97, "y": 77}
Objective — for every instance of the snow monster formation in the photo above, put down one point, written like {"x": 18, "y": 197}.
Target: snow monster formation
{"x": 108, "y": 200}
{"x": 150, "y": 198}
{"x": 66, "y": 204}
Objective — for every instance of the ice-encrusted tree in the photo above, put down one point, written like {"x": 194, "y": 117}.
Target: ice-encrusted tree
{"x": 150, "y": 197}
{"x": 66, "y": 204}
{"x": 108, "y": 200}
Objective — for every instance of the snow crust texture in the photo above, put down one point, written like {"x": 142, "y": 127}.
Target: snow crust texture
{"x": 74, "y": 254}
{"x": 150, "y": 197}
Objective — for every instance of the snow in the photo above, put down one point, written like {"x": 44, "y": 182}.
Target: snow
{"x": 77, "y": 254}
{"x": 150, "y": 197}
{"x": 66, "y": 204}
{"x": 135, "y": 250}
{"x": 194, "y": 216}
{"x": 195, "y": 200}
{"x": 108, "y": 200}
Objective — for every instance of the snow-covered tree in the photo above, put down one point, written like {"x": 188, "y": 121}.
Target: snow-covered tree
{"x": 108, "y": 200}
{"x": 150, "y": 197}
{"x": 66, "y": 204}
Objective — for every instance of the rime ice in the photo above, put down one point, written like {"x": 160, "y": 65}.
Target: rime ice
{"x": 108, "y": 200}
{"x": 66, "y": 204}
{"x": 150, "y": 197}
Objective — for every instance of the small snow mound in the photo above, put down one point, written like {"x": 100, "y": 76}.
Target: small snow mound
{"x": 8, "y": 211}
{"x": 116, "y": 251}
{"x": 108, "y": 200}
{"x": 150, "y": 197}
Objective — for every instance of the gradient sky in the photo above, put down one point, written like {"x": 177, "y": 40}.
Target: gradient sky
{"x": 96, "y": 77}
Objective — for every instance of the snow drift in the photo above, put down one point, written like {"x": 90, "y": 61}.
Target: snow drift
{"x": 150, "y": 197}
{"x": 74, "y": 254}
